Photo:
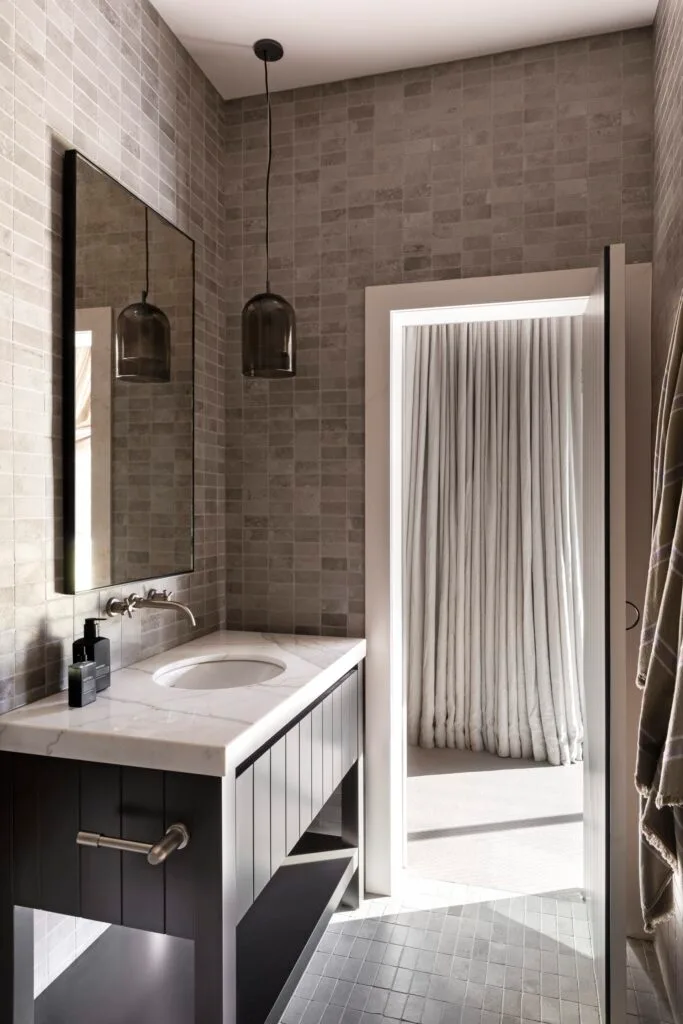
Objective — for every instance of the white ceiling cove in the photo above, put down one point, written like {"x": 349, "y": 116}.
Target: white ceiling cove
{"x": 328, "y": 40}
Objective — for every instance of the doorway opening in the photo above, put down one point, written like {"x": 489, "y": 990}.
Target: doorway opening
{"x": 412, "y": 817}
{"x": 492, "y": 597}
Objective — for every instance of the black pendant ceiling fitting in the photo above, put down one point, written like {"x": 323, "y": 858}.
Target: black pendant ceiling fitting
{"x": 268, "y": 320}
{"x": 143, "y": 337}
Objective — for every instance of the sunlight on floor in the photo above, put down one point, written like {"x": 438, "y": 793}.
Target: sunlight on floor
{"x": 506, "y": 826}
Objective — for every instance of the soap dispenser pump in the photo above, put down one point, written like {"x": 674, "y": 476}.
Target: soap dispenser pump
{"x": 93, "y": 647}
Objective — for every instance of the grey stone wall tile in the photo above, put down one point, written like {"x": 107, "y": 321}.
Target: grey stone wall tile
{"x": 525, "y": 161}
{"x": 112, "y": 81}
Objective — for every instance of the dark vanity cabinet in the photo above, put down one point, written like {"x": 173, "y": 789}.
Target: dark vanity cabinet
{"x": 220, "y": 932}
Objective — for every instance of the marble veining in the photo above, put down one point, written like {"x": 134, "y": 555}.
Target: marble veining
{"x": 208, "y": 732}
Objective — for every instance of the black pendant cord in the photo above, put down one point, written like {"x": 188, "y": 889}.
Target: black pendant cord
{"x": 270, "y": 160}
{"x": 146, "y": 291}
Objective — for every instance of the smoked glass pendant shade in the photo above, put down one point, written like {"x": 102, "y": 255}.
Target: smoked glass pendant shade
{"x": 143, "y": 337}
{"x": 268, "y": 320}
{"x": 268, "y": 337}
{"x": 143, "y": 344}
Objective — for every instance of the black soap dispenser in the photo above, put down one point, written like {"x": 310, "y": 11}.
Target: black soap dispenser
{"x": 93, "y": 647}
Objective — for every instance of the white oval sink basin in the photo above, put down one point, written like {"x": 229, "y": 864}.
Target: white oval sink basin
{"x": 217, "y": 672}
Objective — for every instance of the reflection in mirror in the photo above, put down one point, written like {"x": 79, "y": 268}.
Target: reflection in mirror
{"x": 128, "y": 449}
{"x": 143, "y": 336}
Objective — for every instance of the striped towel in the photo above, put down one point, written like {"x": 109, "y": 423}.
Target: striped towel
{"x": 659, "y": 765}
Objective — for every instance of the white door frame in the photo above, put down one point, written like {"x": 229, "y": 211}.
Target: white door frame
{"x": 385, "y": 309}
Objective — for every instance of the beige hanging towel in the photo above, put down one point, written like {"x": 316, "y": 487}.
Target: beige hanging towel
{"x": 659, "y": 767}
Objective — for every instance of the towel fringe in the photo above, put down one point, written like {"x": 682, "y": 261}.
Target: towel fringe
{"x": 642, "y": 788}
{"x": 661, "y": 800}
{"x": 650, "y": 926}
{"x": 656, "y": 843}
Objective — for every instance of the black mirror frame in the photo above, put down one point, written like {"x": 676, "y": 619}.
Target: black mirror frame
{"x": 69, "y": 236}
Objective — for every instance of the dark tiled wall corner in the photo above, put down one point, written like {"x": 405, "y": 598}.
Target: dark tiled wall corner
{"x": 668, "y": 179}
{"x": 667, "y": 284}
{"x": 111, "y": 80}
{"x": 524, "y": 161}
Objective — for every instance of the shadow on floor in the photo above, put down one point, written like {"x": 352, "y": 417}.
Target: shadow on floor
{"x": 494, "y": 826}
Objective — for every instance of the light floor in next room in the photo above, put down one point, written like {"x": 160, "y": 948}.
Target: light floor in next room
{"x": 482, "y": 820}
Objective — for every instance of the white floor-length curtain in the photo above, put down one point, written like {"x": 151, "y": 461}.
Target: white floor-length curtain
{"x": 492, "y": 578}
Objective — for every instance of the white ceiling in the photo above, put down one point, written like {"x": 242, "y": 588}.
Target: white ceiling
{"x": 327, "y": 40}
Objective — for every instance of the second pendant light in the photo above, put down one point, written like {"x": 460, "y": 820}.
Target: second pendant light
{"x": 268, "y": 320}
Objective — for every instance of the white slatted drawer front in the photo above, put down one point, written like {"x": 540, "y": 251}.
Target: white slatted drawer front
{"x": 281, "y": 790}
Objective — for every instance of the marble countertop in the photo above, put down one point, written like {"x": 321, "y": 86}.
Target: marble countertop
{"x": 137, "y": 722}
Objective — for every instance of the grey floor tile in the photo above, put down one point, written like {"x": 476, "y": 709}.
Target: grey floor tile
{"x": 368, "y": 973}
{"x": 513, "y": 961}
{"x": 385, "y": 976}
{"x": 395, "y": 1005}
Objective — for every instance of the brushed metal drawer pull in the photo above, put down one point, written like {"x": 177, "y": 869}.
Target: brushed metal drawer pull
{"x": 176, "y": 837}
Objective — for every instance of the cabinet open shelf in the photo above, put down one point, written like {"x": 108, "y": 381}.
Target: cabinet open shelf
{"x": 128, "y": 976}
{"x": 278, "y": 934}
{"x": 124, "y": 977}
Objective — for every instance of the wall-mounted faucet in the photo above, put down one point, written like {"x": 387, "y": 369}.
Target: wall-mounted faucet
{"x": 153, "y": 599}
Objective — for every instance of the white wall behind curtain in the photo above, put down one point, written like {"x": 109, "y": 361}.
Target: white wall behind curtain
{"x": 492, "y": 580}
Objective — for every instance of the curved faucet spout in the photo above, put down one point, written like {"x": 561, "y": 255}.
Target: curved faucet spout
{"x": 148, "y": 602}
{"x": 162, "y": 599}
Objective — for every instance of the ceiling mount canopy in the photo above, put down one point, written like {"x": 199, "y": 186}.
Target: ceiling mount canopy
{"x": 268, "y": 50}
{"x": 268, "y": 320}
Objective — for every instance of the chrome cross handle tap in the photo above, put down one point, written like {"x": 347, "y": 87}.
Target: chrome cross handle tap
{"x": 121, "y": 606}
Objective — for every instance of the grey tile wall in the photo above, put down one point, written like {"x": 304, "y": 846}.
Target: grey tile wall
{"x": 667, "y": 285}
{"x": 524, "y": 161}
{"x": 111, "y": 80}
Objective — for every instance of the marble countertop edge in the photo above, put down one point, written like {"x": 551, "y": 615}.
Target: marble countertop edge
{"x": 138, "y": 723}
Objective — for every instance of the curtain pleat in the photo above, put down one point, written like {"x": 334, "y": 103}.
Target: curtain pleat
{"x": 492, "y": 573}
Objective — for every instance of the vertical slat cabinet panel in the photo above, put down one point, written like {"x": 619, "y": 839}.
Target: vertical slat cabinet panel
{"x": 293, "y": 826}
{"x": 142, "y": 819}
{"x": 346, "y": 724}
{"x": 356, "y": 713}
{"x": 194, "y": 801}
{"x": 328, "y": 748}
{"x": 316, "y": 760}
{"x": 261, "y": 822}
{"x": 196, "y": 887}
{"x": 101, "y": 869}
{"x": 244, "y": 840}
{"x": 8, "y": 948}
{"x": 278, "y": 804}
{"x": 59, "y": 872}
{"x": 25, "y": 831}
{"x": 337, "y": 732}
{"x": 305, "y": 783}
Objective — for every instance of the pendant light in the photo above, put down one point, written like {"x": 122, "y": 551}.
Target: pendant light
{"x": 268, "y": 320}
{"x": 143, "y": 337}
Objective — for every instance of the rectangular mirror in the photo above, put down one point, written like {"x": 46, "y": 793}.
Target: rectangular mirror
{"x": 128, "y": 321}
